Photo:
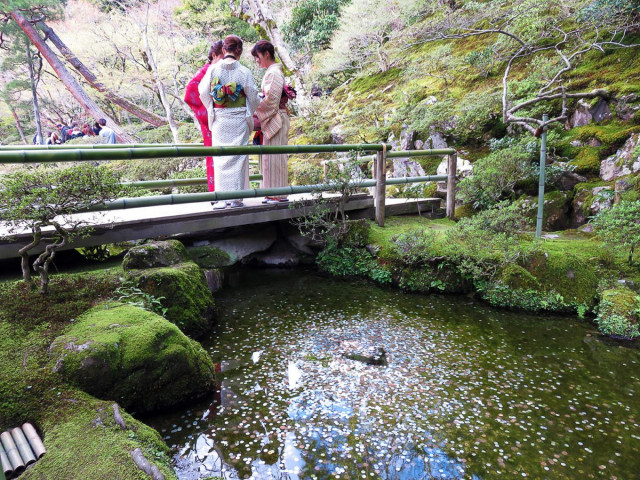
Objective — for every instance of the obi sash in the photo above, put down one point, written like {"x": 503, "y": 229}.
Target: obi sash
{"x": 229, "y": 95}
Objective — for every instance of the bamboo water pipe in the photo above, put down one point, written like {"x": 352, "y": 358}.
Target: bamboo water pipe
{"x": 34, "y": 440}
{"x": 24, "y": 448}
{"x": 5, "y": 465}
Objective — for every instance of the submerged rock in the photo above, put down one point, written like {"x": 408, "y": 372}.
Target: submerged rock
{"x": 372, "y": 356}
{"x": 132, "y": 356}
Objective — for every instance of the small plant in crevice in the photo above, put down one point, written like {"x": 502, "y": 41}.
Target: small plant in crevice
{"x": 415, "y": 247}
{"x": 131, "y": 294}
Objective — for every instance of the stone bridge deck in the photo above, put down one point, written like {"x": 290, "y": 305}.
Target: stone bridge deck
{"x": 200, "y": 218}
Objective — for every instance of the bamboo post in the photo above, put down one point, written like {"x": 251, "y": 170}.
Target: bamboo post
{"x": 452, "y": 164}
{"x": 381, "y": 177}
{"x": 541, "y": 179}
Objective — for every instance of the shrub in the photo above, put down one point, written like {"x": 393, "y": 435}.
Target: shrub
{"x": 619, "y": 227}
{"x": 619, "y": 313}
{"x": 415, "y": 247}
{"x": 495, "y": 176}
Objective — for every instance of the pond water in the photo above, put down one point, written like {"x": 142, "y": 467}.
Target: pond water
{"x": 468, "y": 392}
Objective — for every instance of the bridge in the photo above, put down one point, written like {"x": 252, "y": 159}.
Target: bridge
{"x": 169, "y": 215}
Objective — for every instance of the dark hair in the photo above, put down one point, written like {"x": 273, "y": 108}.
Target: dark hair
{"x": 215, "y": 50}
{"x": 233, "y": 45}
{"x": 263, "y": 46}
{"x": 102, "y": 122}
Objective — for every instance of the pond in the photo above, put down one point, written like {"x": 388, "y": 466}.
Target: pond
{"x": 467, "y": 392}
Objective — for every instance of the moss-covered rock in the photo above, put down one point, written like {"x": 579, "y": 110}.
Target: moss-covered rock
{"x": 619, "y": 313}
{"x": 433, "y": 279}
{"x": 464, "y": 211}
{"x": 208, "y": 256}
{"x": 184, "y": 292}
{"x": 155, "y": 254}
{"x": 516, "y": 277}
{"x": 571, "y": 277}
{"x": 84, "y": 442}
{"x": 135, "y": 357}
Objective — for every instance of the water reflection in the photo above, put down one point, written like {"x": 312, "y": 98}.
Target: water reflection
{"x": 467, "y": 392}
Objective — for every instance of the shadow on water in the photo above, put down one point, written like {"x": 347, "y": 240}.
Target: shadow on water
{"x": 467, "y": 393}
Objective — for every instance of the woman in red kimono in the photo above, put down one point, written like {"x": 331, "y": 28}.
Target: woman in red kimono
{"x": 192, "y": 98}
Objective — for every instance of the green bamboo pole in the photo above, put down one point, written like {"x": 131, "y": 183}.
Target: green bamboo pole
{"x": 97, "y": 146}
{"x": 177, "y": 199}
{"x": 176, "y": 182}
{"x": 91, "y": 155}
{"x": 541, "y": 179}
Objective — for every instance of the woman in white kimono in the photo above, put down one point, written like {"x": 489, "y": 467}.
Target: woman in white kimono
{"x": 274, "y": 119}
{"x": 229, "y": 93}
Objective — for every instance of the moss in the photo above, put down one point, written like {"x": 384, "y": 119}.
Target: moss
{"x": 208, "y": 256}
{"x": 184, "y": 293}
{"x": 376, "y": 82}
{"x": 619, "y": 313}
{"x": 428, "y": 163}
{"x": 135, "y": 357}
{"x": 83, "y": 441}
{"x": 516, "y": 277}
{"x": 566, "y": 274}
{"x": 587, "y": 161}
{"x": 357, "y": 234}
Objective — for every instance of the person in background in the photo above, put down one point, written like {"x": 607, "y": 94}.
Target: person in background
{"x": 53, "y": 139}
{"x": 229, "y": 93}
{"x": 96, "y": 128}
{"x": 106, "y": 134}
{"x": 64, "y": 132}
{"x": 192, "y": 98}
{"x": 87, "y": 131}
{"x": 274, "y": 119}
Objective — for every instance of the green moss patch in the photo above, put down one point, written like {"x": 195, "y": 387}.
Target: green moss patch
{"x": 135, "y": 357}
{"x": 209, "y": 256}
{"x": 155, "y": 254}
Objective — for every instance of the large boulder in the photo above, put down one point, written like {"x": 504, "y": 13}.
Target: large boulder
{"x": 155, "y": 254}
{"x": 132, "y": 356}
{"x": 588, "y": 200}
{"x": 184, "y": 292}
{"x": 625, "y": 161}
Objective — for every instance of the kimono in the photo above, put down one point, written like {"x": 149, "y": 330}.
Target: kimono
{"x": 230, "y": 118}
{"x": 274, "y": 121}
{"x": 192, "y": 98}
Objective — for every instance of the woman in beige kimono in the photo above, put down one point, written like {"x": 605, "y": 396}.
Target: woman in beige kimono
{"x": 274, "y": 119}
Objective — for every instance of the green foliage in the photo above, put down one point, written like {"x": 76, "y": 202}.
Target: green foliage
{"x": 414, "y": 247}
{"x": 214, "y": 17}
{"x": 531, "y": 300}
{"x": 495, "y": 176}
{"x": 349, "y": 261}
{"x": 605, "y": 10}
{"x": 619, "y": 227}
{"x": 312, "y": 24}
{"x": 130, "y": 294}
{"x": 619, "y": 313}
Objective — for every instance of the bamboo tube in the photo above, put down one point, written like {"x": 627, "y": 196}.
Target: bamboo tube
{"x": 23, "y": 446}
{"x": 34, "y": 440}
{"x": 12, "y": 453}
{"x": 4, "y": 463}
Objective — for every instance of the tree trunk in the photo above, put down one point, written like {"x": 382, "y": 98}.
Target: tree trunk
{"x": 141, "y": 113}
{"x": 161, "y": 88}
{"x": 36, "y": 107}
{"x": 18, "y": 124}
{"x": 261, "y": 16}
{"x": 65, "y": 76}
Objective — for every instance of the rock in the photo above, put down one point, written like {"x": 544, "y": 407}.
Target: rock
{"x": 576, "y": 143}
{"x": 582, "y": 115}
{"x": 214, "y": 278}
{"x": 601, "y": 111}
{"x": 624, "y": 109}
{"x": 418, "y": 144}
{"x": 602, "y": 199}
{"x": 405, "y": 167}
{"x": 407, "y": 137}
{"x": 281, "y": 254}
{"x": 589, "y": 201}
{"x": 371, "y": 356}
{"x": 464, "y": 168}
{"x": 155, "y": 254}
{"x": 184, "y": 292}
{"x": 208, "y": 256}
{"x": 594, "y": 142}
{"x": 134, "y": 357}
{"x": 568, "y": 180}
{"x": 337, "y": 135}
{"x": 435, "y": 140}
{"x": 301, "y": 243}
{"x": 228, "y": 251}
{"x": 587, "y": 228}
{"x": 625, "y": 161}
